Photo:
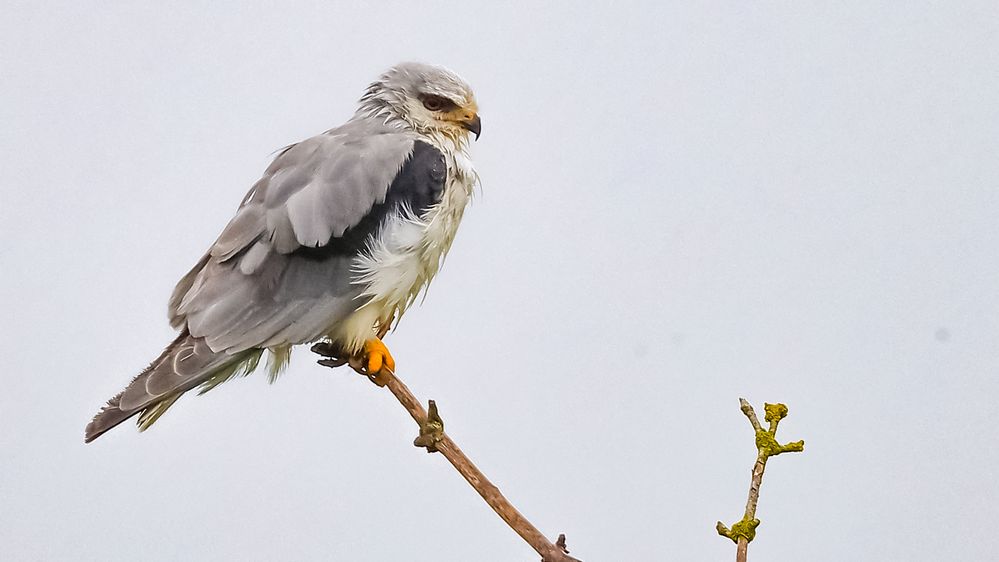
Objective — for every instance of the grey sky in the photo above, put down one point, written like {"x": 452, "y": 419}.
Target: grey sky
{"x": 681, "y": 205}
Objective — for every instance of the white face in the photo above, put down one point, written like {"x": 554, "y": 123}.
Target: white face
{"x": 434, "y": 99}
{"x": 452, "y": 115}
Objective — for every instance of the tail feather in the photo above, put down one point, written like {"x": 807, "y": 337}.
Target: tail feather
{"x": 148, "y": 416}
{"x": 186, "y": 363}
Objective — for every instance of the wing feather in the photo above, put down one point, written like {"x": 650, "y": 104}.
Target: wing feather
{"x": 254, "y": 288}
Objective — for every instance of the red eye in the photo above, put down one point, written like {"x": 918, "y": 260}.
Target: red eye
{"x": 433, "y": 103}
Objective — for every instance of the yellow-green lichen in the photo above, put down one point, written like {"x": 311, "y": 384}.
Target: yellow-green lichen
{"x": 745, "y": 528}
{"x": 769, "y": 447}
{"x": 774, "y": 412}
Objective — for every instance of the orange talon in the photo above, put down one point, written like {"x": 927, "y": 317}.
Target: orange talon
{"x": 378, "y": 357}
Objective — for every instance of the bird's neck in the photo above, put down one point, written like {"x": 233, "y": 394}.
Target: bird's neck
{"x": 375, "y": 108}
{"x": 448, "y": 143}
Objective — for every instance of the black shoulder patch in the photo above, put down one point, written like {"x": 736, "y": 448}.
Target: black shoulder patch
{"x": 420, "y": 182}
{"x": 418, "y": 185}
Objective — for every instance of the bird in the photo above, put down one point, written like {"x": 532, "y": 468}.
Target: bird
{"x": 332, "y": 244}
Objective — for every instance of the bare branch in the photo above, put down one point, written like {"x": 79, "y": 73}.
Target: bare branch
{"x": 433, "y": 439}
{"x": 747, "y": 409}
{"x": 744, "y": 531}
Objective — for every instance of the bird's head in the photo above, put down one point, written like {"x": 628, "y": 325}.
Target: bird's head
{"x": 430, "y": 99}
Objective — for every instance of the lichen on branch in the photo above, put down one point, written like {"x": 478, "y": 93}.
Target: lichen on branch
{"x": 744, "y": 531}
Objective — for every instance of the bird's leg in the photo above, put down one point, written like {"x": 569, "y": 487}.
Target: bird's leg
{"x": 384, "y": 325}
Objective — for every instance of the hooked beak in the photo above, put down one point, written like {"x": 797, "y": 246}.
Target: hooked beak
{"x": 473, "y": 124}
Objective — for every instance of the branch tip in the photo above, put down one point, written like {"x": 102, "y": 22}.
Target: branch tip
{"x": 747, "y": 410}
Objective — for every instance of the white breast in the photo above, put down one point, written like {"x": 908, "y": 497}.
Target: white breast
{"x": 407, "y": 253}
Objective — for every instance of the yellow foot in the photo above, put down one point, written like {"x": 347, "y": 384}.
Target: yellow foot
{"x": 373, "y": 360}
{"x": 377, "y": 357}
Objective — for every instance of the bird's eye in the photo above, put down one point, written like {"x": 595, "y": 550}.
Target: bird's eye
{"x": 436, "y": 103}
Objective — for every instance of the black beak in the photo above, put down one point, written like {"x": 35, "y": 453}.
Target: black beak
{"x": 474, "y": 125}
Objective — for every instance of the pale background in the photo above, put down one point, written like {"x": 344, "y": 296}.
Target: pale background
{"x": 680, "y": 206}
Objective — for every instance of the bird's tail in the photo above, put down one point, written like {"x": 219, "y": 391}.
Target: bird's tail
{"x": 186, "y": 363}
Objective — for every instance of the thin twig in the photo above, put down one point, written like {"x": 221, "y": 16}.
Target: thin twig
{"x": 743, "y": 532}
{"x": 433, "y": 438}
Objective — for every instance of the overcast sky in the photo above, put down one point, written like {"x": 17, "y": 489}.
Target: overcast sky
{"x": 680, "y": 206}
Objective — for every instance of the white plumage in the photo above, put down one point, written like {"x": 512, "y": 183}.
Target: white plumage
{"x": 408, "y": 252}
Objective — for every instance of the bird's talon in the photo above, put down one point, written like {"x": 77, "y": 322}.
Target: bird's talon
{"x": 374, "y": 361}
{"x": 332, "y": 363}
{"x": 326, "y": 349}
{"x": 377, "y": 357}
{"x": 334, "y": 357}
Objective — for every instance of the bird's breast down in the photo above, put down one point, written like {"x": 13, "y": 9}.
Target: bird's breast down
{"x": 404, "y": 256}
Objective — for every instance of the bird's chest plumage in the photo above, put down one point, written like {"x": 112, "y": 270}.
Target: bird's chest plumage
{"x": 406, "y": 253}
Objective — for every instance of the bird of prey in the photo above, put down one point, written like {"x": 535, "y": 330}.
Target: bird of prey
{"x": 332, "y": 244}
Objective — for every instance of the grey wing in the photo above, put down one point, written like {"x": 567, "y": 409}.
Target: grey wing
{"x": 280, "y": 271}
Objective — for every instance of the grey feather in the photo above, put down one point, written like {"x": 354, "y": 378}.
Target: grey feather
{"x": 313, "y": 191}
{"x": 188, "y": 361}
{"x": 157, "y": 387}
{"x": 281, "y": 272}
{"x": 181, "y": 290}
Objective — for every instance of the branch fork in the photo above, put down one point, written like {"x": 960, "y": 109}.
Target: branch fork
{"x": 744, "y": 531}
